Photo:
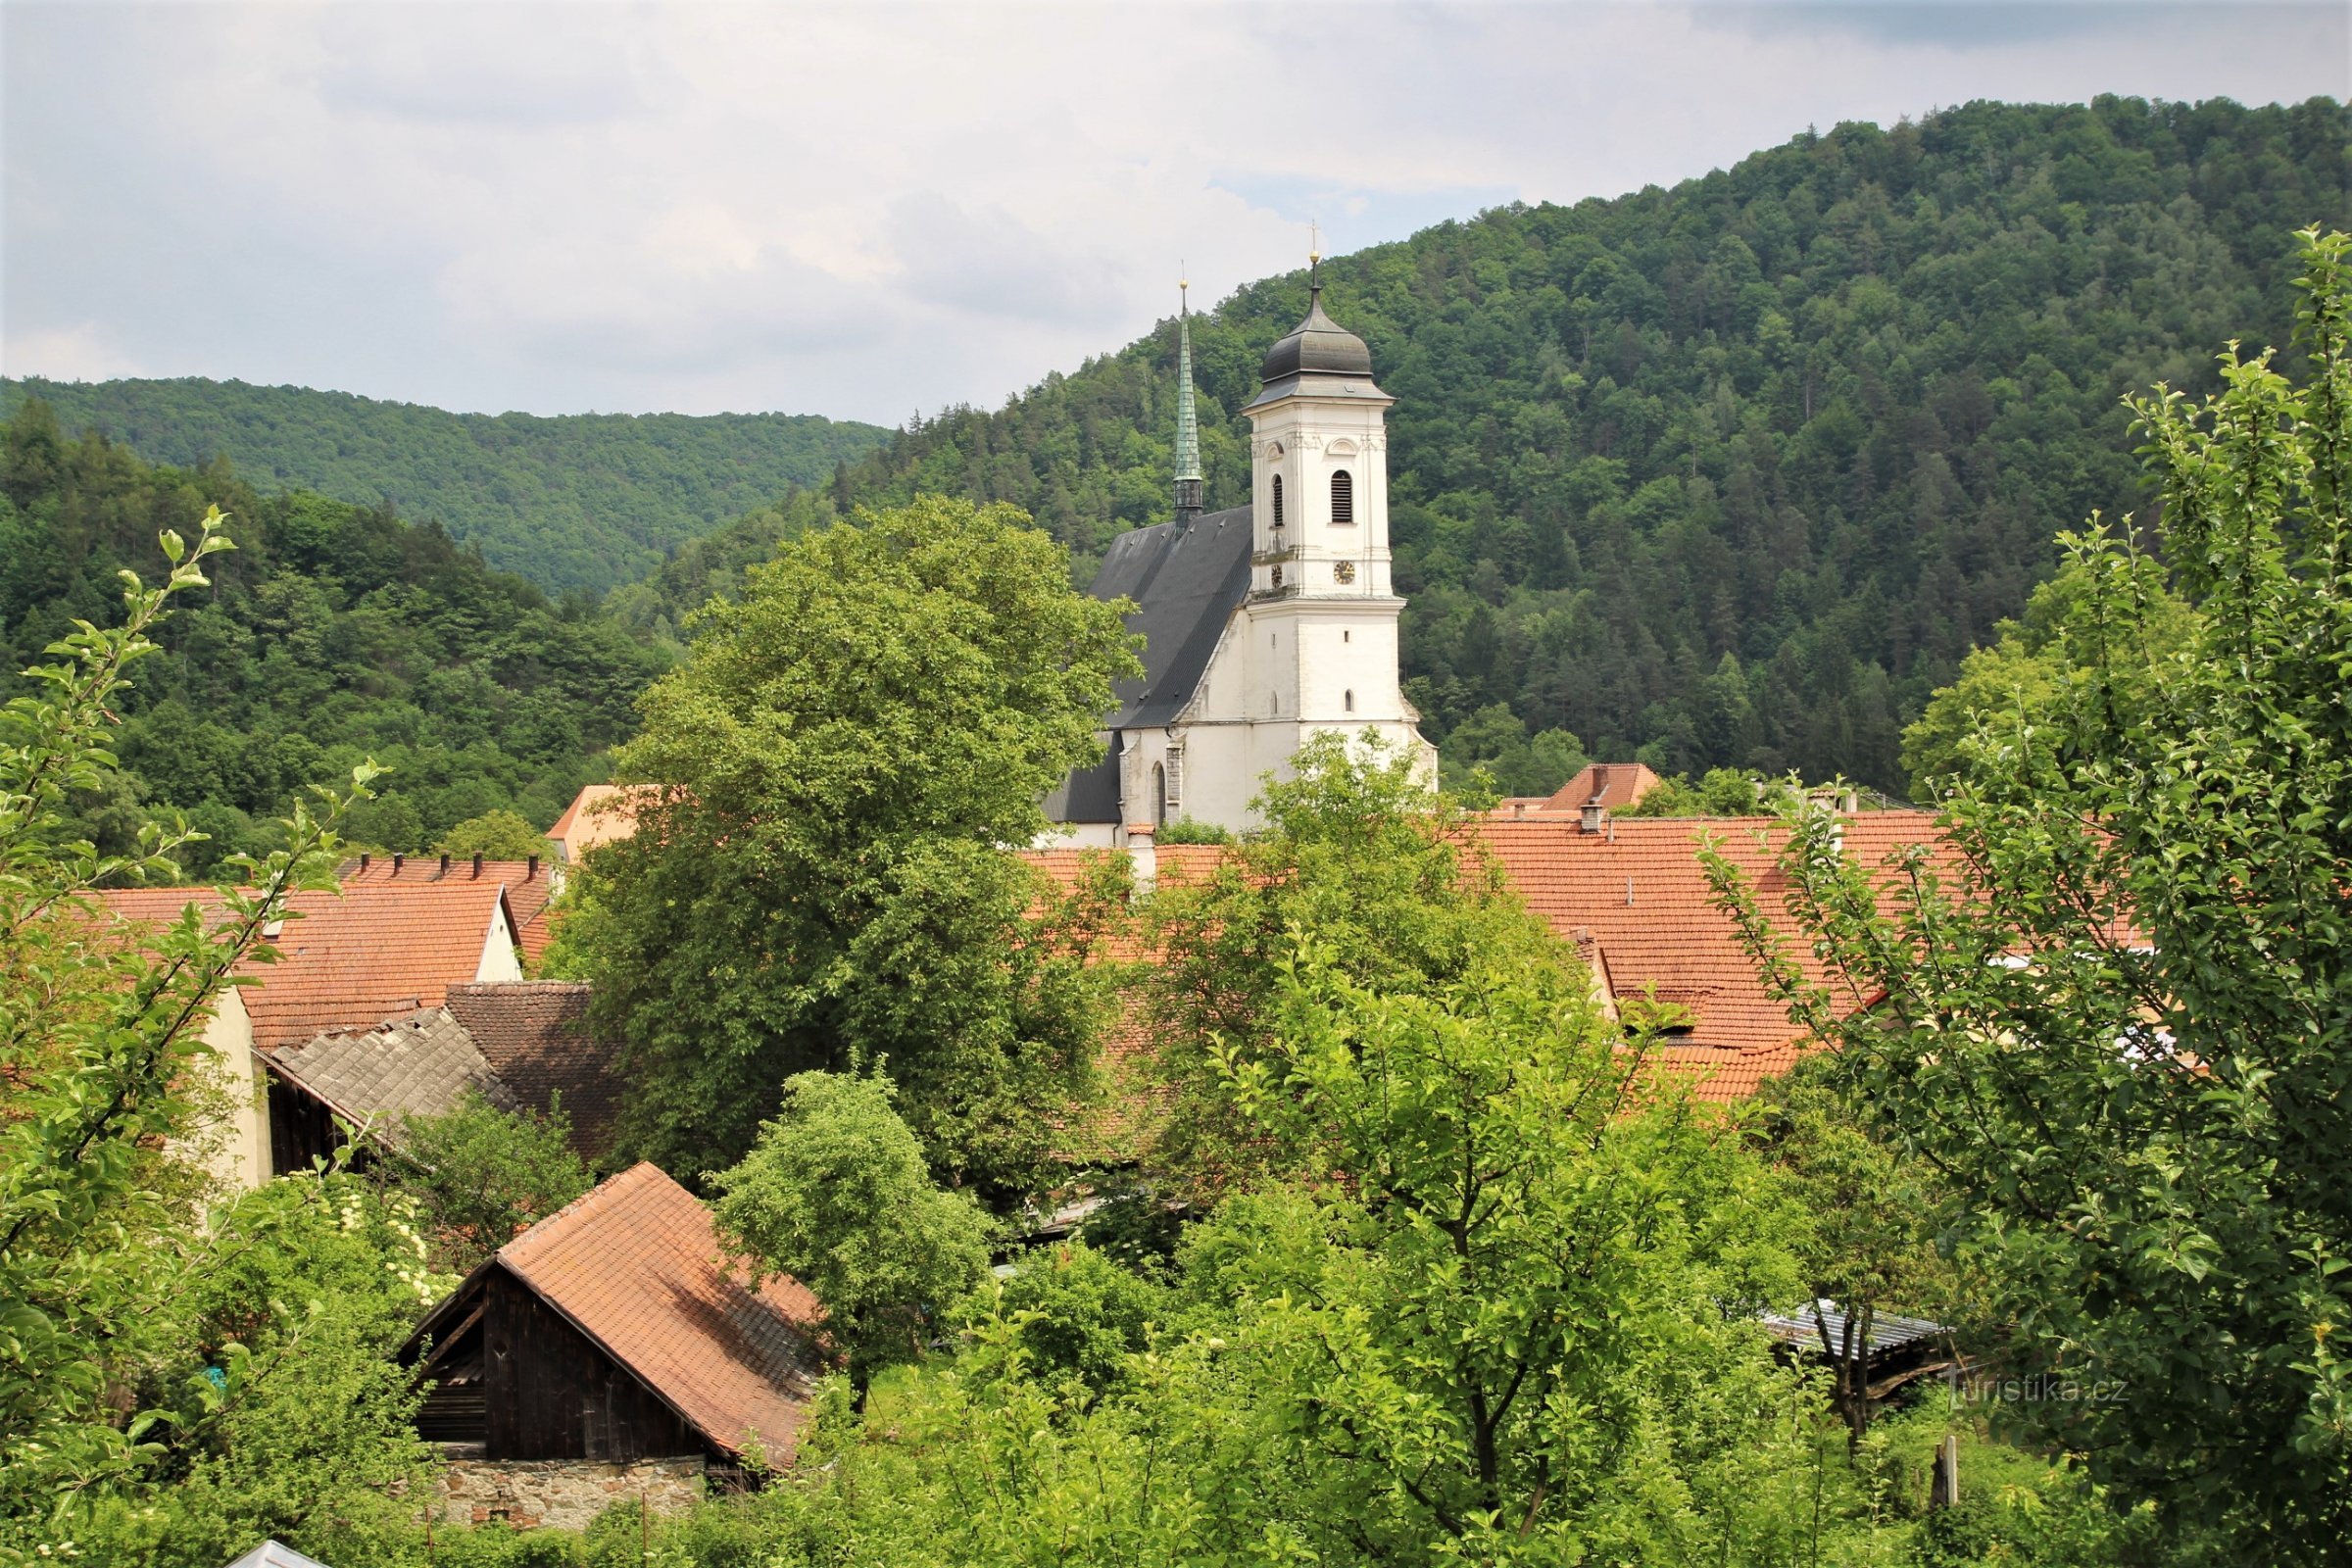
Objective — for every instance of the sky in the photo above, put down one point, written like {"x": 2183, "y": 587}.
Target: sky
{"x": 870, "y": 211}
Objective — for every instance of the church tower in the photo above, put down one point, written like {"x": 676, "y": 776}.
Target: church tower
{"x": 1322, "y": 611}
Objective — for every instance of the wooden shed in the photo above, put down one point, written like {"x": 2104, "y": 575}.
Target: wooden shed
{"x": 617, "y": 1330}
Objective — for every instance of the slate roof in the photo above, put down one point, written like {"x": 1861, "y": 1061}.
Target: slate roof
{"x": 534, "y": 1035}
{"x": 419, "y": 1064}
{"x": 636, "y": 1266}
{"x": 350, "y": 959}
{"x": 1186, "y": 583}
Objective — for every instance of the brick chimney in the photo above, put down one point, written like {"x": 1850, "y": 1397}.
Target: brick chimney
{"x": 445, "y": 865}
{"x": 398, "y": 861}
{"x": 532, "y": 870}
{"x": 1592, "y": 817}
{"x": 477, "y": 868}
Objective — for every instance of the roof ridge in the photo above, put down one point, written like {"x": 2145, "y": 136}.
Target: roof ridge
{"x": 561, "y": 1218}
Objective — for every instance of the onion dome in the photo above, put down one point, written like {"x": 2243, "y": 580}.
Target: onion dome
{"x": 1317, "y": 346}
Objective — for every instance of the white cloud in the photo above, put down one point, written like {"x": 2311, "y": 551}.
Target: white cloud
{"x": 77, "y": 353}
{"x": 864, "y": 210}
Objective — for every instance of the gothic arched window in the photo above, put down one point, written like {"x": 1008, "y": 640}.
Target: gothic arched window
{"x": 1278, "y": 501}
{"x": 1160, "y": 794}
{"x": 1343, "y": 496}
{"x": 1350, "y": 701}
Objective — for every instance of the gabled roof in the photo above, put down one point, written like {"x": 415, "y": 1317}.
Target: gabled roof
{"x": 1615, "y": 785}
{"x": 350, "y": 959}
{"x": 534, "y": 1033}
{"x": 1638, "y": 892}
{"x": 529, "y": 886}
{"x": 598, "y": 815}
{"x": 275, "y": 1554}
{"x": 637, "y": 1267}
{"x": 419, "y": 1064}
{"x": 1186, "y": 581}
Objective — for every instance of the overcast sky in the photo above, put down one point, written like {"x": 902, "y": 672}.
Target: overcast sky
{"x": 866, "y": 210}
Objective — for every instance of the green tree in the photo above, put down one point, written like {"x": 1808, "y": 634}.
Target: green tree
{"x": 103, "y": 1054}
{"x": 485, "y": 1175}
{"x": 499, "y": 835}
{"x": 2117, "y": 1013}
{"x": 837, "y": 1194}
{"x": 824, "y": 871}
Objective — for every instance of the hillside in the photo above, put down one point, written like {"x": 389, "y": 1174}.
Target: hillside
{"x": 331, "y": 633}
{"x": 1731, "y": 473}
{"x": 578, "y": 501}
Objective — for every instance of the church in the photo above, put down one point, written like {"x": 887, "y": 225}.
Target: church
{"x": 1263, "y": 624}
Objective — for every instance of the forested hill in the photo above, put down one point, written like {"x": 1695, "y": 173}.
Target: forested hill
{"x": 1735, "y": 472}
{"x": 331, "y": 633}
{"x": 576, "y": 501}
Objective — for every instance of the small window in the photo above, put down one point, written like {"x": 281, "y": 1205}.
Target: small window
{"x": 1278, "y": 501}
{"x": 1160, "y": 794}
{"x": 1343, "y": 497}
{"x": 1277, "y": 577}
{"x": 1348, "y": 700}
{"x": 1347, "y": 636}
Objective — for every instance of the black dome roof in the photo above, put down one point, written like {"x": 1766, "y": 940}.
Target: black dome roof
{"x": 1317, "y": 346}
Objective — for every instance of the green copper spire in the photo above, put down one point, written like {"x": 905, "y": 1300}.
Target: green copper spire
{"x": 1188, "y": 418}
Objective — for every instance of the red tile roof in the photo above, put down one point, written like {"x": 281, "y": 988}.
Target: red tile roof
{"x": 534, "y": 1035}
{"x": 598, "y": 815}
{"x": 528, "y": 887}
{"x": 636, "y": 1266}
{"x": 1615, "y": 785}
{"x": 1637, "y": 893}
{"x": 1632, "y": 899}
{"x": 347, "y": 961}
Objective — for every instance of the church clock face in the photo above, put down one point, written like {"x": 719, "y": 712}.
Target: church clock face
{"x": 1343, "y": 572}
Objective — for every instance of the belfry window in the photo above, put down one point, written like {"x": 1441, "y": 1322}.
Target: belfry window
{"x": 1278, "y": 501}
{"x": 1350, "y": 701}
{"x": 1343, "y": 496}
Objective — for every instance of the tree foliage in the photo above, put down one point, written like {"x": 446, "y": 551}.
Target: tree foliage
{"x": 499, "y": 835}
{"x": 2118, "y": 1015}
{"x": 484, "y": 1175}
{"x": 824, "y": 874}
{"x": 837, "y": 1193}
{"x": 336, "y": 633}
{"x": 579, "y": 500}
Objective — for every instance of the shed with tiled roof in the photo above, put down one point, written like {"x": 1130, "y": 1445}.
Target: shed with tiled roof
{"x": 617, "y": 1329}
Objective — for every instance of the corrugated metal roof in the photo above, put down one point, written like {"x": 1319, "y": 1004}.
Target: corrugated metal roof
{"x": 1888, "y": 1331}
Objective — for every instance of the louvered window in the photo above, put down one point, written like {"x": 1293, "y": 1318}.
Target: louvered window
{"x": 1343, "y": 497}
{"x": 1278, "y": 501}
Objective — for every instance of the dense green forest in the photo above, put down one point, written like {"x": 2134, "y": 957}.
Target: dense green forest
{"x": 332, "y": 633}
{"x": 579, "y": 500}
{"x": 1732, "y": 474}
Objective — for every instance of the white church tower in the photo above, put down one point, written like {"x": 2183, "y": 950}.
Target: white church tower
{"x": 1266, "y": 624}
{"x": 1322, "y": 611}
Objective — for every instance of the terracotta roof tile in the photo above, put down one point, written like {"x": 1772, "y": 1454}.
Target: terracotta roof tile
{"x": 598, "y": 814}
{"x": 534, "y": 1035}
{"x": 529, "y": 887}
{"x": 350, "y": 959}
{"x": 1615, "y": 785}
{"x": 637, "y": 1267}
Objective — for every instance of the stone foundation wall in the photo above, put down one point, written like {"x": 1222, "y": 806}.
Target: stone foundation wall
{"x": 566, "y": 1492}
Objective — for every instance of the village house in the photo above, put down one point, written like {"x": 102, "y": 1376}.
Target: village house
{"x": 521, "y": 1044}
{"x": 612, "y": 1347}
{"x": 340, "y": 961}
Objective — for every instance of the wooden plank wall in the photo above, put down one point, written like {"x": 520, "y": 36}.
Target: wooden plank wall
{"x": 554, "y": 1395}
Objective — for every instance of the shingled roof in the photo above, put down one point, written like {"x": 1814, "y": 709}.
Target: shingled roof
{"x": 535, "y": 1036}
{"x": 417, "y": 1065}
{"x": 636, "y": 1266}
